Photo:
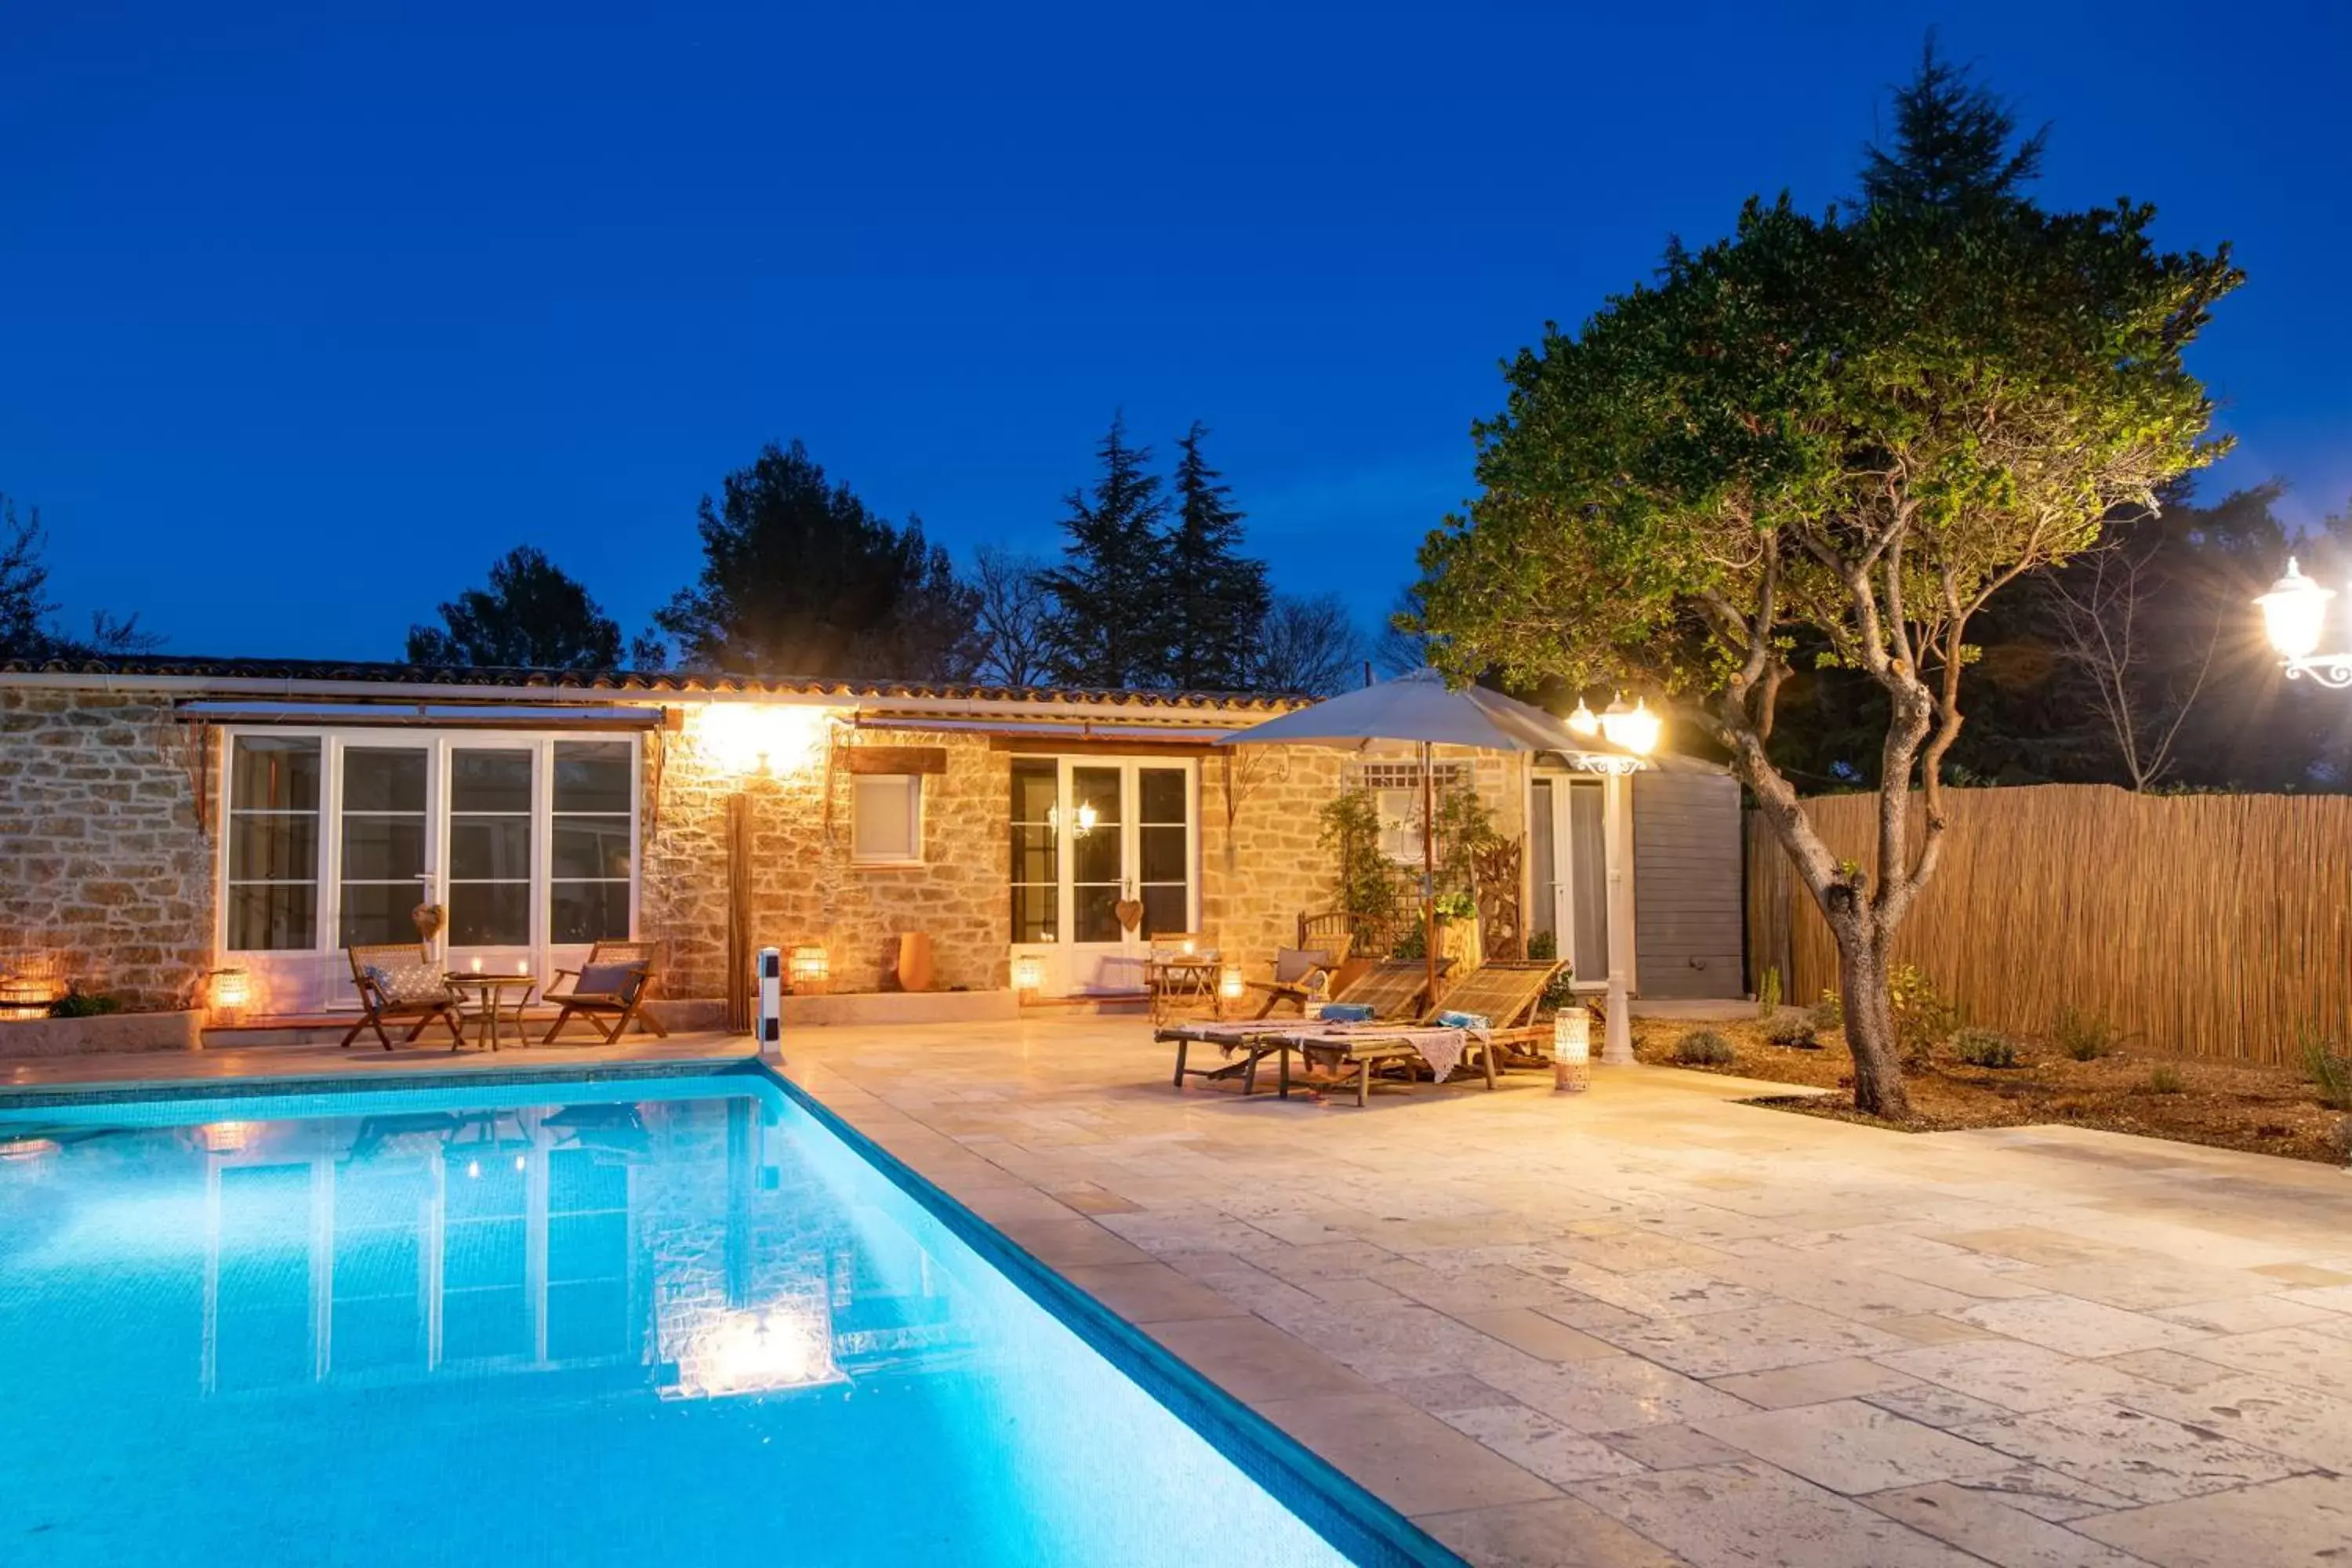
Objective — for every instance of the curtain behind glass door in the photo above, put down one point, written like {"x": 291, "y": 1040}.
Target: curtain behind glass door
{"x": 1589, "y": 879}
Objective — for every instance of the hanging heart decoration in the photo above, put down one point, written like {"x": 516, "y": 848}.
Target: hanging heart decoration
{"x": 1129, "y": 912}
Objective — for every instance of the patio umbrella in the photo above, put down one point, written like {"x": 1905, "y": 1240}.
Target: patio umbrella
{"x": 1420, "y": 707}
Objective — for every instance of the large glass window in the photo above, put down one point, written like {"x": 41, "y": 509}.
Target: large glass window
{"x": 489, "y": 847}
{"x": 1165, "y": 862}
{"x": 382, "y": 823}
{"x": 272, "y": 892}
{"x": 1036, "y": 863}
{"x": 1097, "y": 879}
{"x": 594, "y": 815}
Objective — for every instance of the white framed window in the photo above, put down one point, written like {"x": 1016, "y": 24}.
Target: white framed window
{"x": 1395, "y": 789}
{"x": 886, "y": 813}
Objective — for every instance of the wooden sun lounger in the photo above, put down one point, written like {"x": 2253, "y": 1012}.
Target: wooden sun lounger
{"x": 1367, "y": 1047}
{"x": 1507, "y": 993}
{"x": 1253, "y": 1041}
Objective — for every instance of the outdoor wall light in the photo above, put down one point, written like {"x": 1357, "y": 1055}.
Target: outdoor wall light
{"x": 2295, "y": 613}
{"x": 753, "y": 739}
{"x": 1634, "y": 728}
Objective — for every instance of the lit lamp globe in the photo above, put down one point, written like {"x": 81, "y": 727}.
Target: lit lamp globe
{"x": 1584, "y": 720}
{"x": 2294, "y": 612}
{"x": 1634, "y": 728}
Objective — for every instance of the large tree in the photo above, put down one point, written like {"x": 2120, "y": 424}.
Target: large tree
{"x": 1850, "y": 429}
{"x": 533, "y": 615}
{"x": 28, "y": 628}
{"x": 1011, "y": 620}
{"x": 1110, "y": 622}
{"x": 799, "y": 578}
{"x": 1216, "y": 598}
{"x": 1309, "y": 644}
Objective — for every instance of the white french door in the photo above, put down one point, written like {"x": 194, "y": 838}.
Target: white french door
{"x": 1105, "y": 852}
{"x": 335, "y": 838}
{"x": 1568, "y": 863}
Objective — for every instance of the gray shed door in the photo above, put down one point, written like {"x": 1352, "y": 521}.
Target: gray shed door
{"x": 1686, "y": 869}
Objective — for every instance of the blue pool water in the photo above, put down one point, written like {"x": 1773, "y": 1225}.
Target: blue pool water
{"x": 640, "y": 1321}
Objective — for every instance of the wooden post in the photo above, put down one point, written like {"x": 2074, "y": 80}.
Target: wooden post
{"x": 739, "y": 912}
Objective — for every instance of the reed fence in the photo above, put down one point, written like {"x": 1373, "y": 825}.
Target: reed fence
{"x": 2204, "y": 925}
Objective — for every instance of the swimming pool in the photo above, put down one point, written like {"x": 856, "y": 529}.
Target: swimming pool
{"x": 647, "y": 1320}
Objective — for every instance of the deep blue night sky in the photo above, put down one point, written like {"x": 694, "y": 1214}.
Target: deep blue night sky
{"x": 308, "y": 313}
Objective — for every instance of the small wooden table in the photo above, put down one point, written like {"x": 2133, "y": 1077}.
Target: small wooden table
{"x": 1176, "y": 976}
{"x": 491, "y": 991}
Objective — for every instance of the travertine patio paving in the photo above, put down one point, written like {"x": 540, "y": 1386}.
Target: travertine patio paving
{"x": 1648, "y": 1326}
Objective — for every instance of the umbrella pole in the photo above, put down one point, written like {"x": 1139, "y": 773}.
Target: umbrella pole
{"x": 1428, "y": 876}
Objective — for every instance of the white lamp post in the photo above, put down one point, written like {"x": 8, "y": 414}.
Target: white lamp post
{"x": 1632, "y": 729}
{"x": 2295, "y": 612}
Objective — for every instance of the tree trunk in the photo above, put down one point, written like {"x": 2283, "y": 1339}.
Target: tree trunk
{"x": 1869, "y": 1021}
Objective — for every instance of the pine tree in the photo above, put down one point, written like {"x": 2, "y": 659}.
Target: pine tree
{"x": 1953, "y": 144}
{"x": 1109, "y": 625}
{"x": 534, "y": 616}
{"x": 1216, "y": 599}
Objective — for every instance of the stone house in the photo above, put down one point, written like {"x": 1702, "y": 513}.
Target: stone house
{"x": 163, "y": 819}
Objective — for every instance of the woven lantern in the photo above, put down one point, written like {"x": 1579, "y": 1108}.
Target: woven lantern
{"x": 1572, "y": 1049}
{"x": 810, "y": 969}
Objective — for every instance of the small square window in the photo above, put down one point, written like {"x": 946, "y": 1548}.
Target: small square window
{"x": 887, "y": 818}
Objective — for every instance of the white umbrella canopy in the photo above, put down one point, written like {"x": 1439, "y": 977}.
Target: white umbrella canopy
{"x": 1420, "y": 707}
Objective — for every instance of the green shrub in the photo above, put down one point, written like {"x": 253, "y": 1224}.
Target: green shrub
{"x": 1704, "y": 1048}
{"x": 2082, "y": 1035}
{"x": 2165, "y": 1080}
{"x": 1767, "y": 993}
{"x": 1923, "y": 1020}
{"x": 2329, "y": 1069}
{"x": 1829, "y": 1013}
{"x": 1985, "y": 1048}
{"x": 1792, "y": 1031}
{"x": 1544, "y": 944}
{"x": 79, "y": 1004}
{"x": 2340, "y": 1139}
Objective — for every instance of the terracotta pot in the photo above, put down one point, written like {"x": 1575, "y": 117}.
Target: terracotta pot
{"x": 915, "y": 961}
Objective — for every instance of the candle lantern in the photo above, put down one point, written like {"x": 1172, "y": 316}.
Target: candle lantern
{"x": 1028, "y": 976}
{"x": 809, "y": 970}
{"x": 1229, "y": 986}
{"x": 1572, "y": 1049}
{"x": 232, "y": 994}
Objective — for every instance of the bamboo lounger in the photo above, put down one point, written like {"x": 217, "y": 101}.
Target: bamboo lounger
{"x": 1368, "y": 1046}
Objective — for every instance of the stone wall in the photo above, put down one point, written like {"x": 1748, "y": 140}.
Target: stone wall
{"x": 102, "y": 858}
{"x": 804, "y": 886}
{"x": 1264, "y": 863}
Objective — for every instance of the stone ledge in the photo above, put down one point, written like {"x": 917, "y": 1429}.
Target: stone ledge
{"x": 106, "y": 1032}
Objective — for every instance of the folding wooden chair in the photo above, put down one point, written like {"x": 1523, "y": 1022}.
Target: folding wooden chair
{"x": 614, "y": 982}
{"x": 378, "y": 1009}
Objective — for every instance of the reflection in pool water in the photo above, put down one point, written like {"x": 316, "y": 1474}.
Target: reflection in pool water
{"x": 620, "y": 1323}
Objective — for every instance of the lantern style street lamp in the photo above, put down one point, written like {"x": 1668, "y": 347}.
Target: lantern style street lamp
{"x": 2295, "y": 613}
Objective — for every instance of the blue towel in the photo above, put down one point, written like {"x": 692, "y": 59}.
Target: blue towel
{"x": 1466, "y": 1020}
{"x": 1346, "y": 1012}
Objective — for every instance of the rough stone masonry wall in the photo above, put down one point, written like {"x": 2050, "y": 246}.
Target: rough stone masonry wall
{"x": 102, "y": 858}
{"x": 1264, "y": 863}
{"x": 805, "y": 886}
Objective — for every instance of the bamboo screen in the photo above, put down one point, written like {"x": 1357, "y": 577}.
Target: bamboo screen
{"x": 2206, "y": 925}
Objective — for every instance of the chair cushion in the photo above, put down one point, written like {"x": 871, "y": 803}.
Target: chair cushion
{"x": 1466, "y": 1020}
{"x": 609, "y": 979}
{"x": 1293, "y": 964}
{"x": 405, "y": 984}
{"x": 1346, "y": 1012}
